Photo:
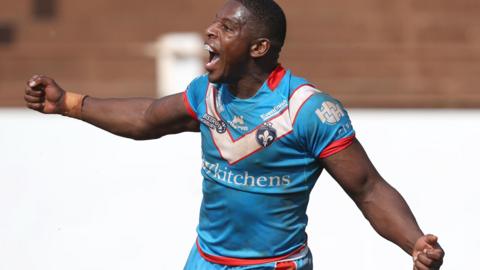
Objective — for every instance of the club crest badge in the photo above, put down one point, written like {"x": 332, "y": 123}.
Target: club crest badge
{"x": 266, "y": 135}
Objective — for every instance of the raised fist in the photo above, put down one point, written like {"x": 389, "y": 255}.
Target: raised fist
{"x": 427, "y": 253}
{"x": 44, "y": 95}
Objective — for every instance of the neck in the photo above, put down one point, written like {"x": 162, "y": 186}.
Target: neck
{"x": 248, "y": 85}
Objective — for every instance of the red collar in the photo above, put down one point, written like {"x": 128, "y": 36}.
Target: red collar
{"x": 275, "y": 77}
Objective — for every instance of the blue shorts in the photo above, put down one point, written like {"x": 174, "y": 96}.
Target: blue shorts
{"x": 197, "y": 262}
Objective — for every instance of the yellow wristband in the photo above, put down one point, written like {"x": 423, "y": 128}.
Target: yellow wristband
{"x": 73, "y": 103}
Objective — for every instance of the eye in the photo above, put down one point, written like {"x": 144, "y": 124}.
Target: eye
{"x": 226, "y": 27}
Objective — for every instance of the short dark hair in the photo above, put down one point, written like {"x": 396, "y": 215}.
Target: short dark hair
{"x": 270, "y": 20}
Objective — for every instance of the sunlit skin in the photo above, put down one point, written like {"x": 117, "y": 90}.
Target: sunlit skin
{"x": 245, "y": 59}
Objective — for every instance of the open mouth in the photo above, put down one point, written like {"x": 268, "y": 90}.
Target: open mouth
{"x": 213, "y": 58}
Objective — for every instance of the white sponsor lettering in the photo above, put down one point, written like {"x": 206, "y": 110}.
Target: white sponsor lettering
{"x": 275, "y": 110}
{"x": 245, "y": 178}
{"x": 344, "y": 129}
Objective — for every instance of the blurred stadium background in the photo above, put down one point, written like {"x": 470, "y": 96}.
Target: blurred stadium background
{"x": 75, "y": 197}
{"x": 369, "y": 53}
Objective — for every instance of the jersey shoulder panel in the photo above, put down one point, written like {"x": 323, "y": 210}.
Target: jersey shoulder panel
{"x": 296, "y": 83}
{"x": 287, "y": 84}
{"x": 195, "y": 93}
{"x": 322, "y": 124}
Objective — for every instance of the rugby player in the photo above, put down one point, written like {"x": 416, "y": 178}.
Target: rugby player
{"x": 266, "y": 137}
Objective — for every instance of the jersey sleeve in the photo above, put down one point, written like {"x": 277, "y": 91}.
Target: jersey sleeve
{"x": 194, "y": 95}
{"x": 324, "y": 126}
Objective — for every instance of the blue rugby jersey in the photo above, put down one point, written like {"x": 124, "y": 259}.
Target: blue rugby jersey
{"x": 260, "y": 162}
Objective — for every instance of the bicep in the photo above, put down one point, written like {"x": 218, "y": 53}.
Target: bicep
{"x": 353, "y": 170}
{"x": 169, "y": 115}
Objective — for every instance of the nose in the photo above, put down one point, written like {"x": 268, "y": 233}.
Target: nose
{"x": 211, "y": 31}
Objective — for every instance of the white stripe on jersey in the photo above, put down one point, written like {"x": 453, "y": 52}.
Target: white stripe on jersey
{"x": 234, "y": 151}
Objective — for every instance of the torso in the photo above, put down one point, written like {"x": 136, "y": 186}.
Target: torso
{"x": 258, "y": 173}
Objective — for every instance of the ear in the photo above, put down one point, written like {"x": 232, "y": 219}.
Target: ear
{"x": 260, "y": 48}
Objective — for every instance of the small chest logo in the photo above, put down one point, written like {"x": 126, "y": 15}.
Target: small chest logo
{"x": 266, "y": 135}
{"x": 238, "y": 123}
{"x": 213, "y": 123}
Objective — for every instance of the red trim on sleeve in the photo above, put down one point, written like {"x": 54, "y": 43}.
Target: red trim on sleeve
{"x": 229, "y": 261}
{"x": 276, "y": 77}
{"x": 190, "y": 111}
{"x": 337, "y": 146}
{"x": 288, "y": 265}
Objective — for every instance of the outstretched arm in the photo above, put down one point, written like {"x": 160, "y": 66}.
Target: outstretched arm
{"x": 383, "y": 206}
{"x": 136, "y": 118}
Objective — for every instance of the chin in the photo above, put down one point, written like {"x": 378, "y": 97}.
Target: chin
{"x": 216, "y": 79}
{"x": 213, "y": 79}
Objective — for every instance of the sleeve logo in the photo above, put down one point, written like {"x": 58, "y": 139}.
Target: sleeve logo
{"x": 330, "y": 112}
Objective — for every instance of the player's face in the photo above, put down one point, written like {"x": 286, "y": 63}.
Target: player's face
{"x": 228, "y": 41}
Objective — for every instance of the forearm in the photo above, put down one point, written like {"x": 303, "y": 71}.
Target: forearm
{"x": 123, "y": 117}
{"x": 382, "y": 205}
{"x": 136, "y": 118}
{"x": 139, "y": 118}
{"x": 389, "y": 214}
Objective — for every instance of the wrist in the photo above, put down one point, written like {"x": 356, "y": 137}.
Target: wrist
{"x": 414, "y": 246}
{"x": 409, "y": 242}
{"x": 72, "y": 104}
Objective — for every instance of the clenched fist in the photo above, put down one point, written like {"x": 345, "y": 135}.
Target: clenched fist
{"x": 44, "y": 95}
{"x": 427, "y": 253}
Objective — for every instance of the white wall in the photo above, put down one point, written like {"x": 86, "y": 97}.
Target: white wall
{"x": 75, "y": 197}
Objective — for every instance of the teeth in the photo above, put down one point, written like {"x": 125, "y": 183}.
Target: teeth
{"x": 208, "y": 48}
{"x": 214, "y": 57}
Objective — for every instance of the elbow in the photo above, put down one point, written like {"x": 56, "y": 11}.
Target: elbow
{"x": 144, "y": 137}
{"x": 142, "y": 132}
{"x": 366, "y": 194}
{"x": 138, "y": 137}
{"x": 147, "y": 133}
